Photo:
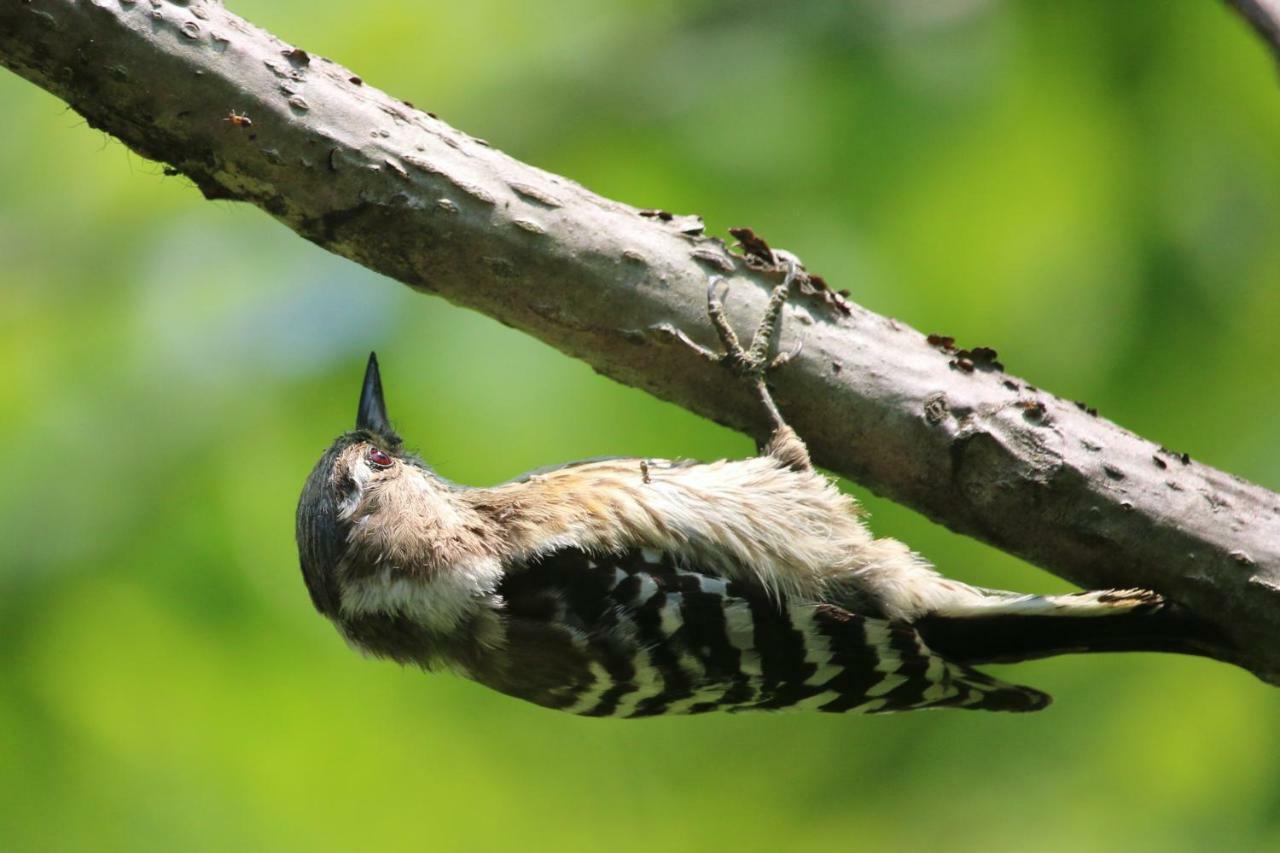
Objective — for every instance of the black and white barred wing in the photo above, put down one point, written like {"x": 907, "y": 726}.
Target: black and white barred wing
{"x": 639, "y": 633}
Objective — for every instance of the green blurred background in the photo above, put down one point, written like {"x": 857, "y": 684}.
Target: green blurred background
{"x": 1092, "y": 187}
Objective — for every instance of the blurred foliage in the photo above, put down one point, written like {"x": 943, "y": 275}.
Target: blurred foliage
{"x": 1092, "y": 187}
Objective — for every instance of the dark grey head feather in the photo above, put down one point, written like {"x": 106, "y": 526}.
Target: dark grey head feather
{"x": 322, "y": 535}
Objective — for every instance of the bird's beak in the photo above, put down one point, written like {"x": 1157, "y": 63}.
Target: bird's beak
{"x": 372, "y": 415}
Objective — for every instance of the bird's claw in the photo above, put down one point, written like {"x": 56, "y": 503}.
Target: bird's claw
{"x": 782, "y": 358}
{"x": 755, "y": 361}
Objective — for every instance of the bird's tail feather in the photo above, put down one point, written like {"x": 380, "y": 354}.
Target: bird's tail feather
{"x": 1104, "y": 602}
{"x": 1006, "y": 627}
{"x": 971, "y": 690}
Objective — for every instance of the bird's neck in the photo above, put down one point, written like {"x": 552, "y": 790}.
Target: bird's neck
{"x": 418, "y": 552}
{"x": 418, "y": 525}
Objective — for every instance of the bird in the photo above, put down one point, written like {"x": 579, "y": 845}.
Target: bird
{"x": 630, "y": 587}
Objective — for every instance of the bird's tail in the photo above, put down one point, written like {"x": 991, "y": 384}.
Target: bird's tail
{"x": 977, "y": 691}
{"x": 1002, "y": 627}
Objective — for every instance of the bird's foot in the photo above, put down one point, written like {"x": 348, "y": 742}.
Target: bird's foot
{"x": 754, "y": 362}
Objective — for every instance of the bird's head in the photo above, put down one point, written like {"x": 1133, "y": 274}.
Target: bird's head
{"x": 357, "y": 477}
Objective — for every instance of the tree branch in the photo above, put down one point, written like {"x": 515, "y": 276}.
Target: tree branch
{"x": 401, "y": 192}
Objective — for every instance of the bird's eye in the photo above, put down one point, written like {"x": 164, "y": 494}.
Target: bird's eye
{"x": 379, "y": 458}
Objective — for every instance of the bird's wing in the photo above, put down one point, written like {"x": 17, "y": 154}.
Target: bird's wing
{"x": 641, "y": 632}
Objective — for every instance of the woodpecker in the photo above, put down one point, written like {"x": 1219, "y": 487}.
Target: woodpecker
{"x": 637, "y": 587}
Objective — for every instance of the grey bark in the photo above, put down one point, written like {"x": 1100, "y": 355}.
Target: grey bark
{"x": 374, "y": 179}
